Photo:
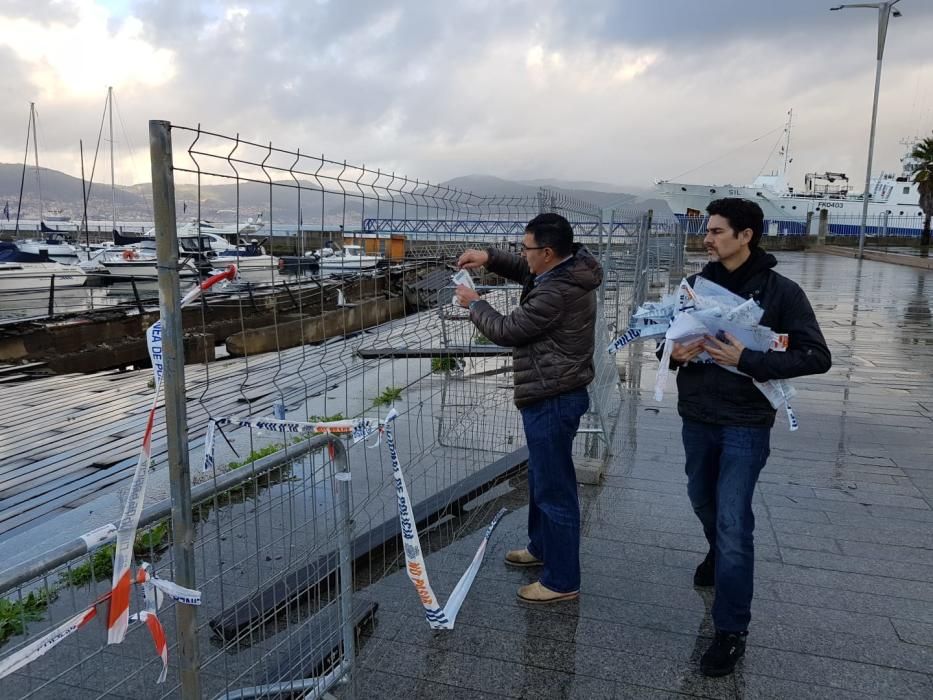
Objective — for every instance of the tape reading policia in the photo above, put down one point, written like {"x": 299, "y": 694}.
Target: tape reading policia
{"x": 118, "y": 617}
{"x": 438, "y": 617}
{"x": 358, "y": 429}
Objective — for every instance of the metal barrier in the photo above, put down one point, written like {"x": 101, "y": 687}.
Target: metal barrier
{"x": 267, "y": 539}
{"x": 252, "y": 525}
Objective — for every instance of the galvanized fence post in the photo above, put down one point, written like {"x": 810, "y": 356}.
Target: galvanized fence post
{"x": 342, "y": 482}
{"x": 677, "y": 259}
{"x": 604, "y": 255}
{"x": 176, "y": 421}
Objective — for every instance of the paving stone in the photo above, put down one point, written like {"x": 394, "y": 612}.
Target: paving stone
{"x": 880, "y": 567}
{"x": 754, "y": 686}
{"x": 914, "y": 632}
{"x": 817, "y": 544}
{"x": 784, "y": 513}
{"x": 871, "y": 533}
{"x": 837, "y": 674}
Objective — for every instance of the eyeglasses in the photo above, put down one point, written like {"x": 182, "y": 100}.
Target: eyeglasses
{"x": 522, "y": 247}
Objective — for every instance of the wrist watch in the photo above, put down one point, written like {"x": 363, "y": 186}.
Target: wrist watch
{"x": 470, "y": 305}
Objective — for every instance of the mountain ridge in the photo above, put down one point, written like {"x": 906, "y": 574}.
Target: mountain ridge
{"x": 62, "y": 191}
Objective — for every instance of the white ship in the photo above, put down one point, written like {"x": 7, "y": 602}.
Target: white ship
{"x": 893, "y": 203}
{"x": 350, "y": 258}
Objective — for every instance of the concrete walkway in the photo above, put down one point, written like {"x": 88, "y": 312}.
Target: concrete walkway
{"x": 844, "y": 576}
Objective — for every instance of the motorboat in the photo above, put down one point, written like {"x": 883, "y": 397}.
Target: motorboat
{"x": 349, "y": 258}
{"x": 135, "y": 260}
{"x": 252, "y": 262}
{"x": 225, "y": 232}
{"x": 54, "y": 244}
{"x": 21, "y": 271}
{"x": 219, "y": 243}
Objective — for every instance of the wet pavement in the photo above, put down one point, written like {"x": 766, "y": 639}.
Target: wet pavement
{"x": 844, "y": 542}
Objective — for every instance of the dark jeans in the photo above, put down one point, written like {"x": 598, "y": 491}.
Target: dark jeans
{"x": 723, "y": 464}
{"x": 554, "y": 512}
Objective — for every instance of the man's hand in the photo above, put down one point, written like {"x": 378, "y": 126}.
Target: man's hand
{"x": 683, "y": 353}
{"x": 726, "y": 353}
{"x": 464, "y": 295}
{"x": 472, "y": 258}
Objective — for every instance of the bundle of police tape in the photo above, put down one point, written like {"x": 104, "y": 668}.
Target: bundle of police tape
{"x": 707, "y": 309}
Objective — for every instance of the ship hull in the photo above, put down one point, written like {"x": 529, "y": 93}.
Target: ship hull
{"x": 789, "y": 213}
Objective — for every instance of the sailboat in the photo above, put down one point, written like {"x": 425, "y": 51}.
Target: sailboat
{"x": 31, "y": 264}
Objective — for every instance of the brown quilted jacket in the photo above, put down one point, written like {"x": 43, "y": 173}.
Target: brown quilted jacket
{"x": 552, "y": 329}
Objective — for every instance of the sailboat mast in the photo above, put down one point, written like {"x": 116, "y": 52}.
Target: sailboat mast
{"x": 35, "y": 151}
{"x": 87, "y": 234}
{"x": 113, "y": 187}
{"x": 22, "y": 179}
{"x": 790, "y": 116}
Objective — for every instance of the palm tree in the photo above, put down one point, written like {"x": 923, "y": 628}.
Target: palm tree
{"x": 923, "y": 176}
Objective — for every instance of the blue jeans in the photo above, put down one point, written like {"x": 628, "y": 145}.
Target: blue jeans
{"x": 553, "y": 509}
{"x": 723, "y": 464}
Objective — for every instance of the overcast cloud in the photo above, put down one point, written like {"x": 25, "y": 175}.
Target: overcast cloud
{"x": 615, "y": 90}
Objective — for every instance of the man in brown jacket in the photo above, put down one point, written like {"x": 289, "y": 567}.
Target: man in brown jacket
{"x": 552, "y": 332}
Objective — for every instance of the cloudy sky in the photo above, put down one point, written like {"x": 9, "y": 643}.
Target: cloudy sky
{"x": 620, "y": 91}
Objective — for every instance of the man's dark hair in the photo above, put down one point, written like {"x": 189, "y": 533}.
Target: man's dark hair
{"x": 742, "y": 214}
{"x": 553, "y": 231}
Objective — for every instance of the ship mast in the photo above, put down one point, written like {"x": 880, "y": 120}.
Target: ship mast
{"x": 113, "y": 189}
{"x": 790, "y": 116}
{"x": 35, "y": 150}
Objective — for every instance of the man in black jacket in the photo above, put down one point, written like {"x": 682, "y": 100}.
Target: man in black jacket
{"x": 552, "y": 332}
{"x": 727, "y": 420}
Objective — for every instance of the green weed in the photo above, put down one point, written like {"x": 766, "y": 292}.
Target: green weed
{"x": 446, "y": 363}
{"x": 389, "y": 396}
{"x": 14, "y": 614}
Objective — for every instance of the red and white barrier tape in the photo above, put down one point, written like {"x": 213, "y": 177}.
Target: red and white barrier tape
{"x": 39, "y": 647}
{"x": 118, "y": 617}
{"x": 153, "y": 590}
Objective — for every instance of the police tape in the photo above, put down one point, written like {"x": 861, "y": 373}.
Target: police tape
{"x": 438, "y": 617}
{"x": 151, "y": 620}
{"x": 39, "y": 647}
{"x": 118, "y": 614}
{"x": 357, "y": 429}
{"x": 708, "y": 310}
{"x": 153, "y": 590}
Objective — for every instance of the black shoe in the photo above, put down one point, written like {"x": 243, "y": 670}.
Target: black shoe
{"x": 705, "y": 575}
{"x": 725, "y": 651}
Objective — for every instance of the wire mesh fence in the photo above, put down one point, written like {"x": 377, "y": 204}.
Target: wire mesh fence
{"x": 373, "y": 327}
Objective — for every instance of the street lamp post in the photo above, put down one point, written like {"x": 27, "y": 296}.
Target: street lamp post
{"x": 884, "y": 14}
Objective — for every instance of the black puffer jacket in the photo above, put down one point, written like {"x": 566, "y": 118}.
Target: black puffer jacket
{"x": 710, "y": 394}
{"x": 552, "y": 330}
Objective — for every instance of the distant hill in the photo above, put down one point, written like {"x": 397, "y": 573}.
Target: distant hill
{"x": 487, "y": 184}
{"x": 590, "y": 185}
{"x": 61, "y": 191}
{"x": 218, "y": 202}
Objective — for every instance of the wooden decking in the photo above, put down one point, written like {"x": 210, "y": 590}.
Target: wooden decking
{"x": 64, "y": 439}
